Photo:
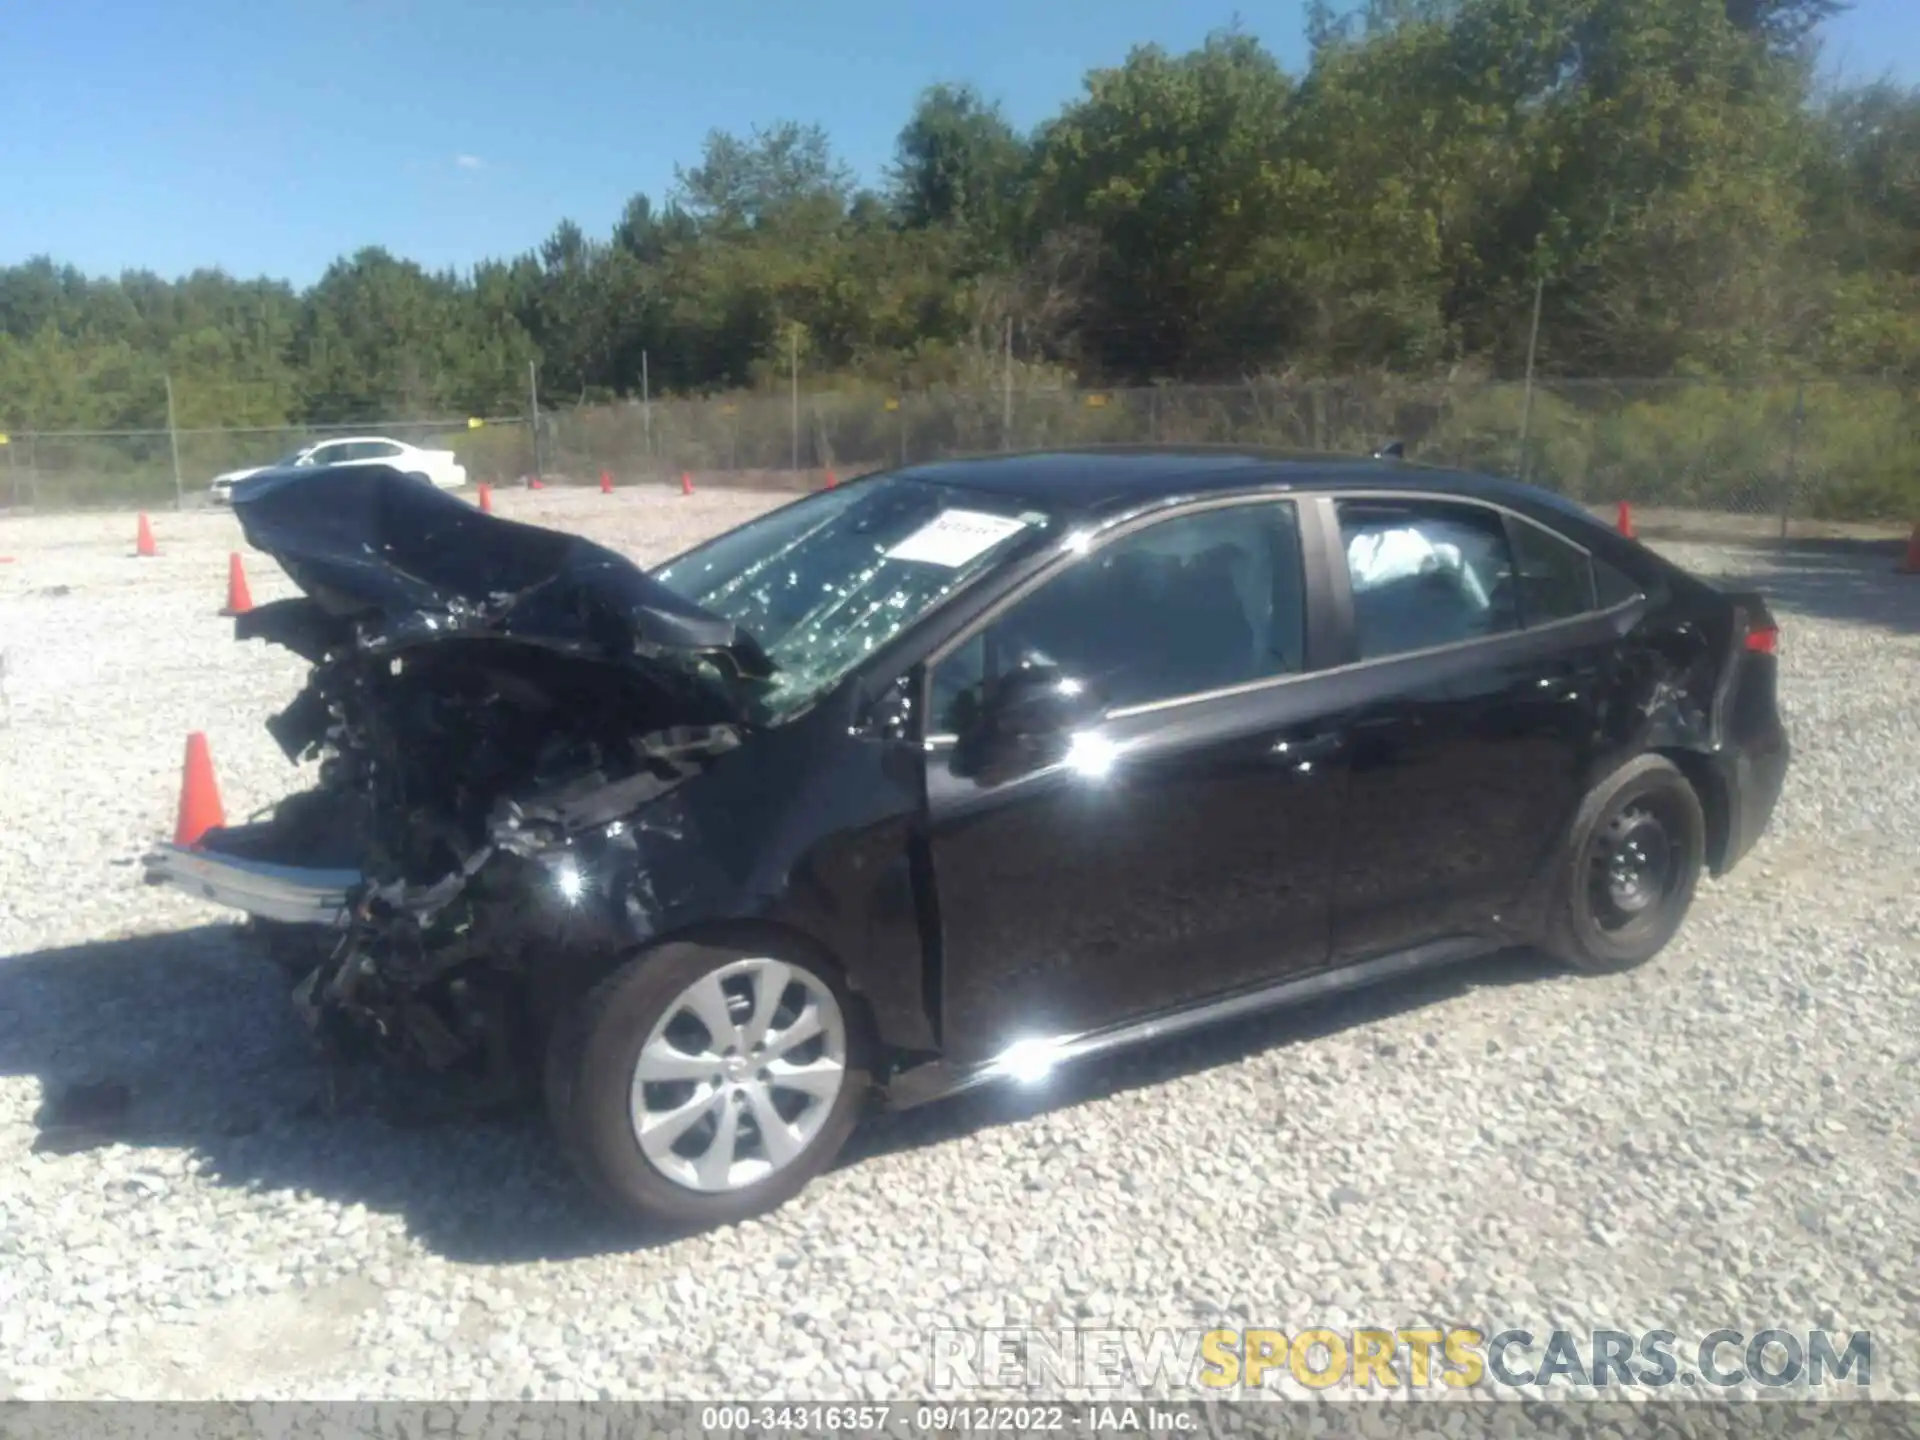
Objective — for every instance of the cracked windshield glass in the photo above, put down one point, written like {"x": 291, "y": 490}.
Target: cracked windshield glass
{"x": 824, "y": 582}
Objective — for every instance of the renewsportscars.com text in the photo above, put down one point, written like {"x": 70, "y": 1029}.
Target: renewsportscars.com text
{"x": 1412, "y": 1358}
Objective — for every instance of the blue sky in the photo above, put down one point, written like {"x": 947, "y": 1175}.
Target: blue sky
{"x": 271, "y": 138}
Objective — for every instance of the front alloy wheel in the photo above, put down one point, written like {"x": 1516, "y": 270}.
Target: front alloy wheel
{"x": 739, "y": 1076}
{"x": 699, "y": 1085}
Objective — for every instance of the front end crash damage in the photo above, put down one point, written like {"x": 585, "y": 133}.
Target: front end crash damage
{"x": 434, "y": 965}
{"x": 498, "y": 712}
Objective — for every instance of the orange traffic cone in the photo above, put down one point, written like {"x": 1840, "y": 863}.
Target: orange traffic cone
{"x": 200, "y": 808}
{"x": 1623, "y": 520}
{"x": 486, "y": 499}
{"x": 831, "y": 482}
{"x": 1911, "y": 564}
{"x": 143, "y": 539}
{"x": 686, "y": 483}
{"x": 239, "y": 598}
{"x": 606, "y": 482}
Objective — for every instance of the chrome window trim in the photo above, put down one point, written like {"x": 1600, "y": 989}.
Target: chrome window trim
{"x": 1127, "y": 524}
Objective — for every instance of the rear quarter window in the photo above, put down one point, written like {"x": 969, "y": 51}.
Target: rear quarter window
{"x": 1612, "y": 587}
{"x": 1555, "y": 579}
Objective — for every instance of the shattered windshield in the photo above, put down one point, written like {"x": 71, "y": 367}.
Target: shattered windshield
{"x": 824, "y": 582}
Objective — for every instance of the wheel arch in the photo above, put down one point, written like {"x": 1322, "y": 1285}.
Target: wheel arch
{"x": 588, "y": 1075}
{"x": 750, "y": 935}
{"x": 1695, "y": 768}
{"x": 1711, "y": 788}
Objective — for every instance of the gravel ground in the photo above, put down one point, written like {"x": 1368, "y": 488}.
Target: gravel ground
{"x": 1726, "y": 1139}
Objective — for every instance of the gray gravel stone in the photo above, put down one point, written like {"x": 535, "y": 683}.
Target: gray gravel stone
{"x": 1727, "y": 1138}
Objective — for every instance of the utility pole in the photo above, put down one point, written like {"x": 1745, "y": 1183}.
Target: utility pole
{"x": 173, "y": 443}
{"x": 533, "y": 393}
{"x": 1006, "y": 388}
{"x": 793, "y": 360}
{"x": 1533, "y": 344}
{"x": 646, "y": 406}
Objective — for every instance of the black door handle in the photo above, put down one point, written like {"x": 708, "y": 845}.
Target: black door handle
{"x": 1309, "y": 749}
{"x": 1560, "y": 680}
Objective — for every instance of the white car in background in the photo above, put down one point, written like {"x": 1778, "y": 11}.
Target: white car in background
{"x": 437, "y": 466}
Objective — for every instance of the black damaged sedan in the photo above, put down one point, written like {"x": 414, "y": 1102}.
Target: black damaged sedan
{"x": 959, "y": 773}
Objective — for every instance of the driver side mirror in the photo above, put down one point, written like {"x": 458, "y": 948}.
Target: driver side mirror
{"x": 1026, "y": 719}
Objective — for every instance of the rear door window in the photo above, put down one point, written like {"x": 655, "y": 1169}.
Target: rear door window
{"x": 1426, "y": 574}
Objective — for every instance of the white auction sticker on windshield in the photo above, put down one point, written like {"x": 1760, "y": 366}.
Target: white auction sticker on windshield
{"x": 956, "y": 537}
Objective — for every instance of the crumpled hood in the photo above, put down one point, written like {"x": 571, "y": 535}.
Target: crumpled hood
{"x": 394, "y": 562}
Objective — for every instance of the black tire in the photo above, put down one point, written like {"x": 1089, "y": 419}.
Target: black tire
{"x": 1647, "y": 816}
{"x": 590, "y": 1058}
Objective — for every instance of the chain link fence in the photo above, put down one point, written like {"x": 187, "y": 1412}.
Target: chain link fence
{"x": 100, "y": 469}
{"x": 1830, "y": 450}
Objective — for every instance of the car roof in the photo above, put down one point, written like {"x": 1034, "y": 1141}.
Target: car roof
{"x": 1098, "y": 480}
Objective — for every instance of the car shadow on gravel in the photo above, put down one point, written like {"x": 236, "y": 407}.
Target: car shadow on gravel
{"x": 199, "y": 1033}
{"x": 1852, "y": 581}
{"x": 1157, "y": 1062}
{"x": 186, "y": 1041}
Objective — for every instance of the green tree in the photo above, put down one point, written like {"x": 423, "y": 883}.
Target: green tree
{"x": 1176, "y": 165}
{"x": 959, "y": 165}
{"x": 1664, "y": 166}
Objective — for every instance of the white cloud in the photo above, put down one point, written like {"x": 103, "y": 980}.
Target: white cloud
{"x": 467, "y": 162}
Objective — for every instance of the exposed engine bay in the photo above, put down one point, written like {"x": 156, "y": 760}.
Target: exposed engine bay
{"x": 455, "y": 781}
{"x": 489, "y": 716}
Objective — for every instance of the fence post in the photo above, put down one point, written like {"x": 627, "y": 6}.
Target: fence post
{"x": 1006, "y": 389}
{"x": 793, "y": 424}
{"x": 1533, "y": 345}
{"x": 173, "y": 443}
{"x": 533, "y": 395}
{"x": 1793, "y": 456}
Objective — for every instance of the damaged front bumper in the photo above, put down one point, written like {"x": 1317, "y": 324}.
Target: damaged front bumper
{"x": 291, "y": 894}
{"x": 494, "y": 708}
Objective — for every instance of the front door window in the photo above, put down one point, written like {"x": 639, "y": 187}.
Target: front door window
{"x": 1193, "y": 604}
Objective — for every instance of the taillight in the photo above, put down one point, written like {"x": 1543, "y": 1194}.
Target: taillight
{"x": 1764, "y": 641}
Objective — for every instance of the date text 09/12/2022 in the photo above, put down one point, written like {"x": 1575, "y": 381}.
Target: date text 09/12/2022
{"x": 946, "y": 1418}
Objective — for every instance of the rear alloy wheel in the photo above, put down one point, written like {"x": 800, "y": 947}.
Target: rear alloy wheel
{"x": 1629, "y": 876}
{"x": 707, "y": 1085}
